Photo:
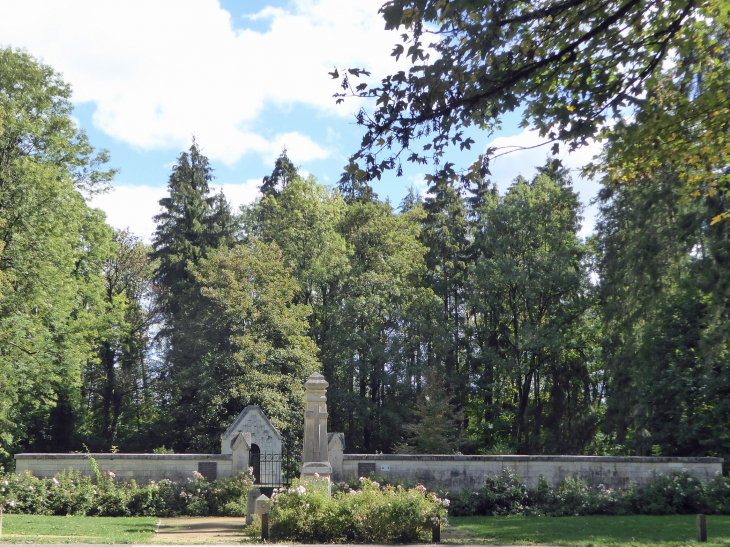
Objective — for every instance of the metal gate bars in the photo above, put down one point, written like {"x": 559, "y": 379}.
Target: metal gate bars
{"x": 274, "y": 469}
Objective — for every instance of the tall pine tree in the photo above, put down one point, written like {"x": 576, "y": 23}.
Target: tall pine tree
{"x": 284, "y": 171}
{"x": 192, "y": 224}
{"x": 444, "y": 233}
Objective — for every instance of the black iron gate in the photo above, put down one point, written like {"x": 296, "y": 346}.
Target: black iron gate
{"x": 275, "y": 469}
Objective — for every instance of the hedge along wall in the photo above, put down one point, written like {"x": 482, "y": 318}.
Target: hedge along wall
{"x": 458, "y": 472}
{"x": 140, "y": 467}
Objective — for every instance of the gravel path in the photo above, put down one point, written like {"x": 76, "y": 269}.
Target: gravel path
{"x": 199, "y": 530}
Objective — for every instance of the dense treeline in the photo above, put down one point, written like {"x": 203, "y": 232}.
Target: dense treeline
{"x": 462, "y": 320}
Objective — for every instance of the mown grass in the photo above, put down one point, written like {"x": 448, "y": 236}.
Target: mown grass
{"x": 42, "y": 529}
{"x": 596, "y": 531}
{"x": 639, "y": 531}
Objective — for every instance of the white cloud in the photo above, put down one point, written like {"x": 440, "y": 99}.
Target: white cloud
{"x": 132, "y": 207}
{"x": 418, "y": 181}
{"x": 241, "y": 194}
{"x": 523, "y": 158}
{"x": 299, "y": 148}
{"x": 163, "y": 70}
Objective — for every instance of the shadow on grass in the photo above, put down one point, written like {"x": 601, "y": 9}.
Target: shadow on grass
{"x": 632, "y": 530}
{"x": 52, "y": 529}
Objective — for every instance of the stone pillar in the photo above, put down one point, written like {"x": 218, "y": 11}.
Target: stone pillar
{"x": 251, "y": 505}
{"x": 314, "y": 456}
{"x": 240, "y": 450}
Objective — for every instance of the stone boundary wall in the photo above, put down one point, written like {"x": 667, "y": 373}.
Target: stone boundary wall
{"x": 140, "y": 467}
{"x": 458, "y": 472}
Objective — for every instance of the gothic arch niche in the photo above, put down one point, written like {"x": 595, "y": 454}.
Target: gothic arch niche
{"x": 254, "y": 460}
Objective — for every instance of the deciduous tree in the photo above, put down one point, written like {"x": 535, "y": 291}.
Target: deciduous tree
{"x": 531, "y": 296}
{"x": 258, "y": 350}
{"x": 569, "y": 66}
{"x": 51, "y": 243}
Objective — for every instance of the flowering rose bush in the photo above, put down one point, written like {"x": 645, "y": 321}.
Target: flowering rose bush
{"x": 366, "y": 512}
{"x": 676, "y": 493}
{"x": 70, "y": 493}
{"x": 306, "y": 512}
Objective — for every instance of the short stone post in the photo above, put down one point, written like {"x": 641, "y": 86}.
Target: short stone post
{"x": 314, "y": 457}
{"x": 701, "y": 528}
{"x": 251, "y": 505}
{"x": 436, "y": 531}
{"x": 263, "y": 505}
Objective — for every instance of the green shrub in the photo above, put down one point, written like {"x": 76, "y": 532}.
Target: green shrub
{"x": 154, "y": 500}
{"x": 253, "y": 530}
{"x": 504, "y": 495}
{"x": 717, "y": 496}
{"x": 676, "y": 493}
{"x": 229, "y": 497}
{"x": 366, "y": 513}
{"x": 465, "y": 503}
{"x": 306, "y": 512}
{"x": 672, "y": 494}
{"x": 70, "y": 493}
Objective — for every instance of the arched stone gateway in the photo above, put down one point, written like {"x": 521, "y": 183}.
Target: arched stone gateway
{"x": 254, "y": 442}
{"x": 252, "y": 420}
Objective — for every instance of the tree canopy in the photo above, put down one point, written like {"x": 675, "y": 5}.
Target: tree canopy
{"x": 53, "y": 245}
{"x": 482, "y": 317}
{"x": 572, "y": 66}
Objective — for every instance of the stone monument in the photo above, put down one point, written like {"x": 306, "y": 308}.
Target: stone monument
{"x": 315, "y": 458}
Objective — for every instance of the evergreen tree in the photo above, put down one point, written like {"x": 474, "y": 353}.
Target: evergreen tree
{"x": 664, "y": 290}
{"x": 193, "y": 224}
{"x": 436, "y": 426}
{"x": 354, "y": 189}
{"x": 283, "y": 173}
{"x": 444, "y": 233}
{"x": 411, "y": 201}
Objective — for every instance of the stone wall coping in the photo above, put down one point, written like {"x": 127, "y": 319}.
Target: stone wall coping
{"x": 120, "y": 456}
{"x": 519, "y": 458}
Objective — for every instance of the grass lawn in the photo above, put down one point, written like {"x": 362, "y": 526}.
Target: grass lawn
{"x": 38, "y": 529}
{"x": 595, "y": 531}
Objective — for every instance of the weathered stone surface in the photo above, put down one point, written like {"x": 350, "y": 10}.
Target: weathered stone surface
{"x": 262, "y": 433}
{"x": 240, "y": 451}
{"x": 315, "y": 456}
{"x": 458, "y": 472}
{"x": 140, "y": 467}
{"x": 335, "y": 453}
{"x": 263, "y": 504}
{"x": 251, "y": 505}
{"x": 250, "y": 433}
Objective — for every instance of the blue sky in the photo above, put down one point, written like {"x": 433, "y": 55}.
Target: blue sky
{"x": 246, "y": 77}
